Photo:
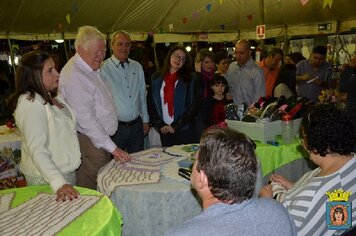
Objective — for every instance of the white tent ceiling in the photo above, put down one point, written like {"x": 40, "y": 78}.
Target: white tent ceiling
{"x": 173, "y": 20}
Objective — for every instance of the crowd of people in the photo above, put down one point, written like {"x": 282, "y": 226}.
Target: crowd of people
{"x": 74, "y": 122}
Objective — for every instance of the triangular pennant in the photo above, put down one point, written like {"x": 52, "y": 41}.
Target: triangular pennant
{"x": 185, "y": 20}
{"x": 208, "y": 7}
{"x": 74, "y": 7}
{"x": 68, "y": 18}
{"x": 195, "y": 15}
{"x": 250, "y": 17}
{"x": 327, "y": 2}
{"x": 303, "y": 2}
{"x": 170, "y": 26}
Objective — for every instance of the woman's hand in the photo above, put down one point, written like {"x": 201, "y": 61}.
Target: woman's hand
{"x": 266, "y": 191}
{"x": 66, "y": 192}
{"x": 167, "y": 129}
{"x": 282, "y": 180}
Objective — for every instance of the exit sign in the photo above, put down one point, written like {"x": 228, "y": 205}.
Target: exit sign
{"x": 326, "y": 26}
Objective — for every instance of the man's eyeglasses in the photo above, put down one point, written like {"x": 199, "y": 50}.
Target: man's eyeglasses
{"x": 178, "y": 57}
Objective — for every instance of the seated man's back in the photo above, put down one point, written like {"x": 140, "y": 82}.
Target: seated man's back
{"x": 252, "y": 217}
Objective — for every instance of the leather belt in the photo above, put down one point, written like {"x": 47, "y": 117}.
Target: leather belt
{"x": 129, "y": 123}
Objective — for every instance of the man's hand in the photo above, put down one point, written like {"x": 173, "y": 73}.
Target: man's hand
{"x": 120, "y": 155}
{"x": 146, "y": 128}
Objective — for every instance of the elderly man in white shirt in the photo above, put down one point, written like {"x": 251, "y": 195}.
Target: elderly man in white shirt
{"x": 88, "y": 95}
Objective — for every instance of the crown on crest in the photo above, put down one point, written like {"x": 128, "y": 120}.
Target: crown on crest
{"x": 338, "y": 196}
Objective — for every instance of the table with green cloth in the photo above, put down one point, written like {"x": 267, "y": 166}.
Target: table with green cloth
{"x": 290, "y": 160}
{"x": 34, "y": 211}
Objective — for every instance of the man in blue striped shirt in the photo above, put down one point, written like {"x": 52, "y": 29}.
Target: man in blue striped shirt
{"x": 127, "y": 82}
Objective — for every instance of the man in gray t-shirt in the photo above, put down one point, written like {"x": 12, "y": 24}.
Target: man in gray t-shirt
{"x": 313, "y": 74}
{"x": 224, "y": 176}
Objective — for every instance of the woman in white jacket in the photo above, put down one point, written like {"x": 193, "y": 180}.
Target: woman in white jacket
{"x": 50, "y": 149}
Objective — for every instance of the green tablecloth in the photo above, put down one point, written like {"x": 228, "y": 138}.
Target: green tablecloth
{"x": 272, "y": 157}
{"x": 102, "y": 218}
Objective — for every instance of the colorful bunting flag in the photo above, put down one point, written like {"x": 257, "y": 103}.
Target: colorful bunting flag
{"x": 68, "y": 18}
{"x": 279, "y": 3}
{"x": 185, "y": 20}
{"x": 195, "y": 15}
{"x": 327, "y": 2}
{"x": 74, "y": 7}
{"x": 303, "y": 2}
{"x": 208, "y": 7}
{"x": 170, "y": 26}
{"x": 249, "y": 17}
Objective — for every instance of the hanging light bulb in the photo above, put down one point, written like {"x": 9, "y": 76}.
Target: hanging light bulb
{"x": 188, "y": 48}
{"x": 59, "y": 40}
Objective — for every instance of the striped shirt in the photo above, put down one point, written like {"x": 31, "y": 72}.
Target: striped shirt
{"x": 306, "y": 201}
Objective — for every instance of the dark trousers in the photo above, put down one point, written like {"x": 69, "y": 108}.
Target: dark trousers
{"x": 181, "y": 136}
{"x": 130, "y": 138}
{"x": 92, "y": 160}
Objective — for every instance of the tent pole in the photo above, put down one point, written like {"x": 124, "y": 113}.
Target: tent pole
{"x": 155, "y": 56}
{"x": 286, "y": 40}
{"x": 12, "y": 57}
{"x": 262, "y": 19}
{"x": 65, "y": 46}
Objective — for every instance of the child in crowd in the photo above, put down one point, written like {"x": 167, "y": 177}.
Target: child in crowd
{"x": 213, "y": 109}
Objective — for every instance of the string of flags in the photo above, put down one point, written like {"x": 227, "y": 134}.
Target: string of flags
{"x": 250, "y": 17}
{"x": 209, "y": 7}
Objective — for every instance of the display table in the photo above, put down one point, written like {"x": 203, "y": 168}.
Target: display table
{"x": 34, "y": 211}
{"x": 9, "y": 138}
{"x": 273, "y": 157}
{"x": 149, "y": 193}
{"x": 10, "y": 155}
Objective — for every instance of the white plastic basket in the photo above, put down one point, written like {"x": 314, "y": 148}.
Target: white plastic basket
{"x": 266, "y": 131}
{"x": 262, "y": 131}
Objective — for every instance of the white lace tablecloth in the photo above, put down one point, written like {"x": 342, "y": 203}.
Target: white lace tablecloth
{"x": 154, "y": 208}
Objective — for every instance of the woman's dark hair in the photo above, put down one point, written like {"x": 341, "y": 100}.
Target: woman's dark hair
{"x": 220, "y": 55}
{"x": 229, "y": 161}
{"x": 29, "y": 78}
{"x": 328, "y": 129}
{"x": 219, "y": 79}
{"x": 186, "y": 71}
{"x": 296, "y": 57}
{"x": 286, "y": 75}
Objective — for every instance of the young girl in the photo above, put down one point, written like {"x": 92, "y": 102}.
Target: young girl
{"x": 213, "y": 109}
